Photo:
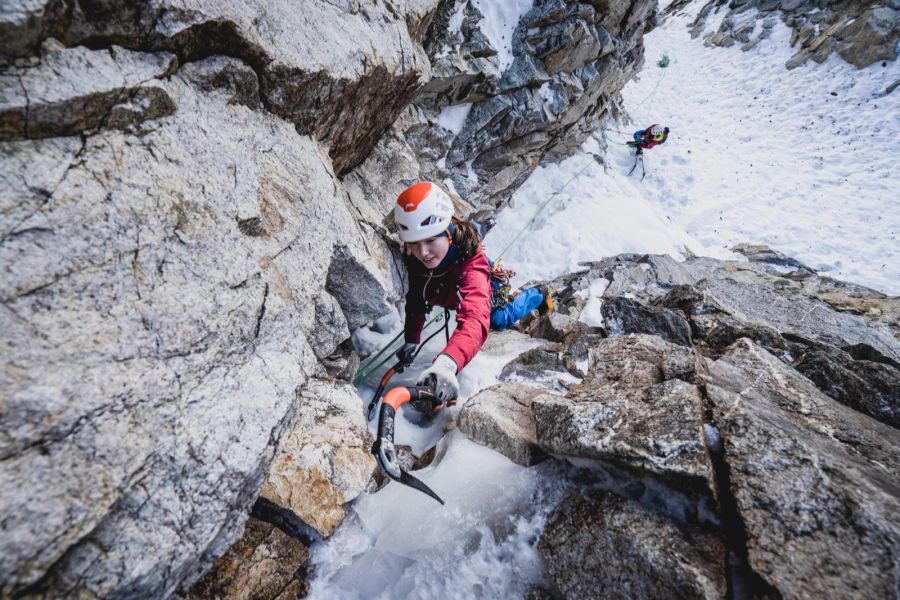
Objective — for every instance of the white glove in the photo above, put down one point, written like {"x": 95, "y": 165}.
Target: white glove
{"x": 441, "y": 377}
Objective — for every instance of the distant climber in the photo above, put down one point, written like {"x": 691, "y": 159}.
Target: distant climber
{"x": 447, "y": 267}
{"x": 644, "y": 139}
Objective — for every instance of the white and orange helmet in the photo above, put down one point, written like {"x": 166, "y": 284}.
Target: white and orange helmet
{"x": 423, "y": 210}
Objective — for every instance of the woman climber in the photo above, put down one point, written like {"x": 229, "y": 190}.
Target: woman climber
{"x": 447, "y": 267}
{"x": 644, "y": 139}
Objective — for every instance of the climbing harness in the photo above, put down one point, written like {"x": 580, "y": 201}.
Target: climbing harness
{"x": 423, "y": 400}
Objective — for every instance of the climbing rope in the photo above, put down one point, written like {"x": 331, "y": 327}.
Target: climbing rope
{"x": 367, "y": 368}
{"x": 542, "y": 206}
{"x": 654, "y": 90}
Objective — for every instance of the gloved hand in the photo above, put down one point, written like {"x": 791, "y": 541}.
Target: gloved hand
{"x": 405, "y": 354}
{"x": 441, "y": 377}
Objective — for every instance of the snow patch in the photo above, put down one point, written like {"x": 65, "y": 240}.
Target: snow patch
{"x": 591, "y": 314}
{"x": 499, "y": 20}
{"x": 452, "y": 118}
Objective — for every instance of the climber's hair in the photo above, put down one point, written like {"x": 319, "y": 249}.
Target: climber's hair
{"x": 466, "y": 237}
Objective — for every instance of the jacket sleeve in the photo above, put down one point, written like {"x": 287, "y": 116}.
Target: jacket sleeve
{"x": 415, "y": 309}
{"x": 473, "y": 313}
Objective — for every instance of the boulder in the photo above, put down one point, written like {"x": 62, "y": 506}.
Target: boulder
{"x": 870, "y": 386}
{"x": 624, "y": 315}
{"x": 548, "y": 365}
{"x": 158, "y": 333}
{"x": 323, "y": 461}
{"x": 813, "y": 481}
{"x": 598, "y": 545}
{"x": 265, "y": 564}
{"x": 500, "y": 418}
{"x": 636, "y": 409}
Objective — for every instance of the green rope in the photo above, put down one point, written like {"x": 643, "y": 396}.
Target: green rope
{"x": 653, "y": 91}
{"x": 366, "y": 369}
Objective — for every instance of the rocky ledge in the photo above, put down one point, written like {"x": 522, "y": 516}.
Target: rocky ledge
{"x": 734, "y": 424}
{"x": 861, "y": 32}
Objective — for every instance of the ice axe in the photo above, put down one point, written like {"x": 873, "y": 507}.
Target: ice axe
{"x": 383, "y": 448}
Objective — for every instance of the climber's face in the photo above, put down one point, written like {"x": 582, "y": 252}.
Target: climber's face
{"x": 430, "y": 251}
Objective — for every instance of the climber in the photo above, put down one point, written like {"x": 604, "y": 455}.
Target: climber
{"x": 649, "y": 137}
{"x": 447, "y": 267}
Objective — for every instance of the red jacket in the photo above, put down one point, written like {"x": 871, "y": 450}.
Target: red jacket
{"x": 464, "y": 286}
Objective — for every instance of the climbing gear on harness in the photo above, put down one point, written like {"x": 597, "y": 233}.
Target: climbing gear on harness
{"x": 383, "y": 448}
{"x": 422, "y": 211}
{"x": 501, "y": 289}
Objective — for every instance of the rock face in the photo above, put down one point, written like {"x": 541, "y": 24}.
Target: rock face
{"x": 842, "y": 336}
{"x": 191, "y": 225}
{"x": 324, "y": 460}
{"x": 814, "y": 481}
{"x": 861, "y": 33}
{"x": 753, "y": 443}
{"x": 157, "y": 310}
{"x": 500, "y": 417}
{"x": 495, "y": 108}
{"x": 598, "y": 545}
{"x": 263, "y": 564}
{"x": 637, "y": 408}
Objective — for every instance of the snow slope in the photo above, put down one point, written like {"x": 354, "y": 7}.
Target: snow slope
{"x": 803, "y": 160}
{"x": 756, "y": 154}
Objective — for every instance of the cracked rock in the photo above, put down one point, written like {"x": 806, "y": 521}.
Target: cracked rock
{"x": 814, "y": 481}
{"x": 77, "y": 90}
